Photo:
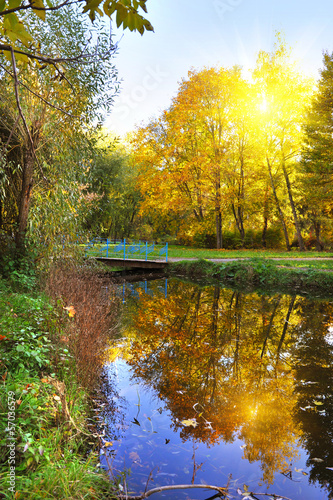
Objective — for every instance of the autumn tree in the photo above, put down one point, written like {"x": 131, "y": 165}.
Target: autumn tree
{"x": 195, "y": 156}
{"x": 283, "y": 94}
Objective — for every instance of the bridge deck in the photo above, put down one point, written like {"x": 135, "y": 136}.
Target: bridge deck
{"x": 136, "y": 263}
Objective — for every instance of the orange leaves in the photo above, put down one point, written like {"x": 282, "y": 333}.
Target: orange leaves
{"x": 71, "y": 311}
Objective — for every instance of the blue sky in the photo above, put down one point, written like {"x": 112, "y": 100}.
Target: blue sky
{"x": 193, "y": 33}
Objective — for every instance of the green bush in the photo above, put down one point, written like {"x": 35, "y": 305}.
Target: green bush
{"x": 18, "y": 269}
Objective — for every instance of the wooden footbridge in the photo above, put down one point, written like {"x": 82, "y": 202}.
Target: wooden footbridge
{"x": 140, "y": 255}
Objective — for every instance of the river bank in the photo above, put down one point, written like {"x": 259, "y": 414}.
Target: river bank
{"x": 51, "y": 346}
{"x": 256, "y": 273}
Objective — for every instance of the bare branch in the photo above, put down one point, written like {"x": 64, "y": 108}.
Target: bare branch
{"x": 222, "y": 491}
{"x": 148, "y": 493}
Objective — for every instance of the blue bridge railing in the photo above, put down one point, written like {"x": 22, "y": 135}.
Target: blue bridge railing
{"x": 105, "y": 247}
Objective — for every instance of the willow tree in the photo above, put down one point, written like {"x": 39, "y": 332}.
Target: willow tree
{"x": 50, "y": 110}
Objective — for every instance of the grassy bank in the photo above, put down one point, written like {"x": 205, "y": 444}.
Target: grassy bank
{"x": 257, "y": 273}
{"x": 50, "y": 357}
{"x": 176, "y": 251}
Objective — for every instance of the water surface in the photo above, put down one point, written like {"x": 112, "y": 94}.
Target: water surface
{"x": 213, "y": 386}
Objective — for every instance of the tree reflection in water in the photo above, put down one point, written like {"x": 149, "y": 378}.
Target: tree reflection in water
{"x": 239, "y": 366}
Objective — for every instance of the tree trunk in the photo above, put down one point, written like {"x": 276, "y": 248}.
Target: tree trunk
{"x": 218, "y": 223}
{"x": 265, "y": 215}
{"x": 293, "y": 208}
{"x": 25, "y": 197}
{"x": 264, "y": 232}
{"x": 319, "y": 246}
{"x": 278, "y": 206}
{"x": 239, "y": 221}
{"x": 218, "y": 215}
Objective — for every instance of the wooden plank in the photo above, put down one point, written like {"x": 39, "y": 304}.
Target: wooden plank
{"x": 136, "y": 263}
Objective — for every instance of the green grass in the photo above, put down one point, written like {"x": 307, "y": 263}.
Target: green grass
{"x": 325, "y": 265}
{"x": 205, "y": 253}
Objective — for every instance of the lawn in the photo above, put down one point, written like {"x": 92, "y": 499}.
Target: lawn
{"x": 175, "y": 251}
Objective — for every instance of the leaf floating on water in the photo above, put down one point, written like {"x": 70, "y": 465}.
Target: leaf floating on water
{"x": 107, "y": 444}
{"x": 316, "y": 459}
{"x": 135, "y": 421}
{"x": 167, "y": 441}
{"x": 190, "y": 422}
{"x": 134, "y": 456}
{"x": 318, "y": 403}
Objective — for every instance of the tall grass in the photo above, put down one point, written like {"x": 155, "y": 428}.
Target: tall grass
{"x": 92, "y": 305}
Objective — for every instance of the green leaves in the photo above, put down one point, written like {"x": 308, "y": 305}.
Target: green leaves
{"x": 13, "y": 27}
{"x": 40, "y": 5}
{"x": 127, "y": 14}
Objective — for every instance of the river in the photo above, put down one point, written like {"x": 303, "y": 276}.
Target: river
{"x": 207, "y": 385}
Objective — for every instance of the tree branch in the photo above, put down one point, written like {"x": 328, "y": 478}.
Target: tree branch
{"x": 222, "y": 491}
{"x": 17, "y": 97}
{"x": 45, "y": 9}
{"x": 39, "y": 96}
{"x": 54, "y": 60}
{"x": 11, "y": 133}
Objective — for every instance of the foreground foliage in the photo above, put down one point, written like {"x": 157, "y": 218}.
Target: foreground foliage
{"x": 44, "y": 405}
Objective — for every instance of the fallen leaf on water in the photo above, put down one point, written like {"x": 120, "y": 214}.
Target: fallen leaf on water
{"x": 134, "y": 456}
{"x": 190, "y": 422}
{"x": 318, "y": 403}
{"x": 107, "y": 444}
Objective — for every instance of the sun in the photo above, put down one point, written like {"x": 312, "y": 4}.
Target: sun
{"x": 263, "y": 105}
